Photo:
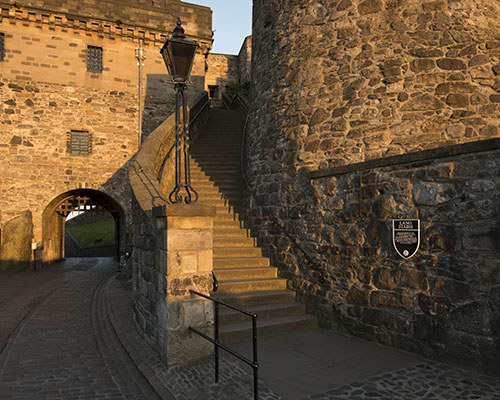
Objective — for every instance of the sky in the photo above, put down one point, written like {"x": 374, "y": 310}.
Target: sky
{"x": 231, "y": 21}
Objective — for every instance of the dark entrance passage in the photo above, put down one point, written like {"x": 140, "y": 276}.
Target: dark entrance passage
{"x": 87, "y": 202}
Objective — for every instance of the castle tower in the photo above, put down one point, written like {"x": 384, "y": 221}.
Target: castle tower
{"x": 366, "y": 111}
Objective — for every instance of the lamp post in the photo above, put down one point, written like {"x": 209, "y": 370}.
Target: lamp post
{"x": 178, "y": 53}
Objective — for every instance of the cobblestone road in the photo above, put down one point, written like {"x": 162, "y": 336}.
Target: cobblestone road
{"x": 64, "y": 330}
{"x": 53, "y": 352}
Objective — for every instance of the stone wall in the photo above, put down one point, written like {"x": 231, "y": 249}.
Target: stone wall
{"x": 222, "y": 69}
{"x": 35, "y": 163}
{"x": 51, "y": 47}
{"x": 46, "y": 91}
{"x": 159, "y": 15}
{"x": 358, "y": 80}
{"x": 337, "y": 83}
{"x": 15, "y": 242}
{"x": 245, "y": 60}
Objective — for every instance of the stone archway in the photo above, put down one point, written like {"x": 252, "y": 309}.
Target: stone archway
{"x": 54, "y": 216}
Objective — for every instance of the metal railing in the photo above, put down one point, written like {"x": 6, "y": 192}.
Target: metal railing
{"x": 254, "y": 364}
{"x": 192, "y": 119}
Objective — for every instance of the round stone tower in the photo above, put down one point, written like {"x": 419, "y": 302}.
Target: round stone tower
{"x": 352, "y": 80}
{"x": 365, "y": 112}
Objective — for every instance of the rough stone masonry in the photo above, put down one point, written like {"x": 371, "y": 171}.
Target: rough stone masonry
{"x": 368, "y": 111}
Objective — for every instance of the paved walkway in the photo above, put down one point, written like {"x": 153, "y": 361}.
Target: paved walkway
{"x": 55, "y": 350}
{"x": 67, "y": 333}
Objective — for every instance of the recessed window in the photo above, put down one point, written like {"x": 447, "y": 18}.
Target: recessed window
{"x": 94, "y": 59}
{"x": 79, "y": 143}
{"x": 213, "y": 91}
{"x": 2, "y": 46}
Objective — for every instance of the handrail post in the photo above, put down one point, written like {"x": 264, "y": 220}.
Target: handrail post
{"x": 217, "y": 344}
{"x": 255, "y": 361}
{"x": 216, "y": 347}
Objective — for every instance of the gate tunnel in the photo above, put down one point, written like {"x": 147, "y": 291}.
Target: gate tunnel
{"x": 54, "y": 217}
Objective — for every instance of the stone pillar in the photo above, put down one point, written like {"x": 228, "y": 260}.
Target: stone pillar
{"x": 184, "y": 256}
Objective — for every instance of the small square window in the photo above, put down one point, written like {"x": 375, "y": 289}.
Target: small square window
{"x": 213, "y": 91}
{"x": 79, "y": 143}
{"x": 2, "y": 46}
{"x": 94, "y": 59}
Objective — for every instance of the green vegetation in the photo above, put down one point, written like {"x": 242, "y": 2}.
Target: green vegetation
{"x": 233, "y": 88}
{"x": 99, "y": 233}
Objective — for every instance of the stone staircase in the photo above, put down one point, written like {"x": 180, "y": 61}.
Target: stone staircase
{"x": 245, "y": 277}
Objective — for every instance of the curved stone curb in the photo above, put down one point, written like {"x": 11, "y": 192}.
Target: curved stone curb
{"x": 130, "y": 382}
{"x": 193, "y": 382}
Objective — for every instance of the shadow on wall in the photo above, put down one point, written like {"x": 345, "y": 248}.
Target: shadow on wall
{"x": 159, "y": 99}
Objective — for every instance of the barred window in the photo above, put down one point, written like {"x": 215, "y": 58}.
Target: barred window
{"x": 2, "y": 46}
{"x": 94, "y": 59}
{"x": 79, "y": 143}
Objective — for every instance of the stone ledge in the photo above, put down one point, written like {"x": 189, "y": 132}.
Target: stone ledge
{"x": 425, "y": 155}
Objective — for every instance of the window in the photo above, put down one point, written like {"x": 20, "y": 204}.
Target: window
{"x": 213, "y": 92}
{"x": 2, "y": 47}
{"x": 79, "y": 143}
{"x": 94, "y": 59}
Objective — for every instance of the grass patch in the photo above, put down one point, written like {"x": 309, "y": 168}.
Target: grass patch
{"x": 99, "y": 233}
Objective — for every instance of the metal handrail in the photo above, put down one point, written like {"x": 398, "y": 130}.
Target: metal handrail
{"x": 254, "y": 364}
{"x": 251, "y": 192}
{"x": 191, "y": 121}
{"x": 225, "y": 101}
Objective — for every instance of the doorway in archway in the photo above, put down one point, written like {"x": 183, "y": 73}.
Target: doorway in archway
{"x": 90, "y": 233}
{"x": 92, "y": 205}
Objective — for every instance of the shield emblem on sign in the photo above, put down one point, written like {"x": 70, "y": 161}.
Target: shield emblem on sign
{"x": 406, "y": 236}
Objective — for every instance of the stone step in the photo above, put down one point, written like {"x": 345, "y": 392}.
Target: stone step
{"x": 250, "y": 299}
{"x": 209, "y": 155}
{"x": 233, "y": 241}
{"x": 245, "y": 278}
{"x": 224, "y": 232}
{"x": 210, "y": 169}
{"x": 223, "y": 225}
{"x": 228, "y": 179}
{"x": 226, "y": 214}
{"x": 239, "y": 274}
{"x": 248, "y": 251}
{"x": 232, "y": 333}
{"x": 265, "y": 311}
{"x": 218, "y": 184}
{"x": 236, "y": 165}
{"x": 251, "y": 285}
{"x": 235, "y": 262}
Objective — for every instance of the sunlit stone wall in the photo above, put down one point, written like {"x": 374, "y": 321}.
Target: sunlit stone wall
{"x": 336, "y": 83}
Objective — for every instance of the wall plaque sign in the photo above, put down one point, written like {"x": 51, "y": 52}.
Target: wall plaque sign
{"x": 406, "y": 236}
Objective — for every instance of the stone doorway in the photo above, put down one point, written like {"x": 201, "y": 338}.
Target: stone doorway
{"x": 80, "y": 200}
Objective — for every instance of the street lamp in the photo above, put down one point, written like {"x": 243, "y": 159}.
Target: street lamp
{"x": 178, "y": 53}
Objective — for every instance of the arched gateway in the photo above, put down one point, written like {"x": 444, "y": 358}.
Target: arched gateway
{"x": 54, "y": 217}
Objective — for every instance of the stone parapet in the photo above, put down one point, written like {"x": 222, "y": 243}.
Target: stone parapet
{"x": 172, "y": 249}
{"x": 111, "y": 18}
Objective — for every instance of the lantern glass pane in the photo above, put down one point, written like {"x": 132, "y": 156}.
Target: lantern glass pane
{"x": 183, "y": 56}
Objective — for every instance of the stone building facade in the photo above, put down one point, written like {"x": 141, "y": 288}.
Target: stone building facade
{"x": 69, "y": 99}
{"x": 224, "y": 69}
{"x": 365, "y": 111}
